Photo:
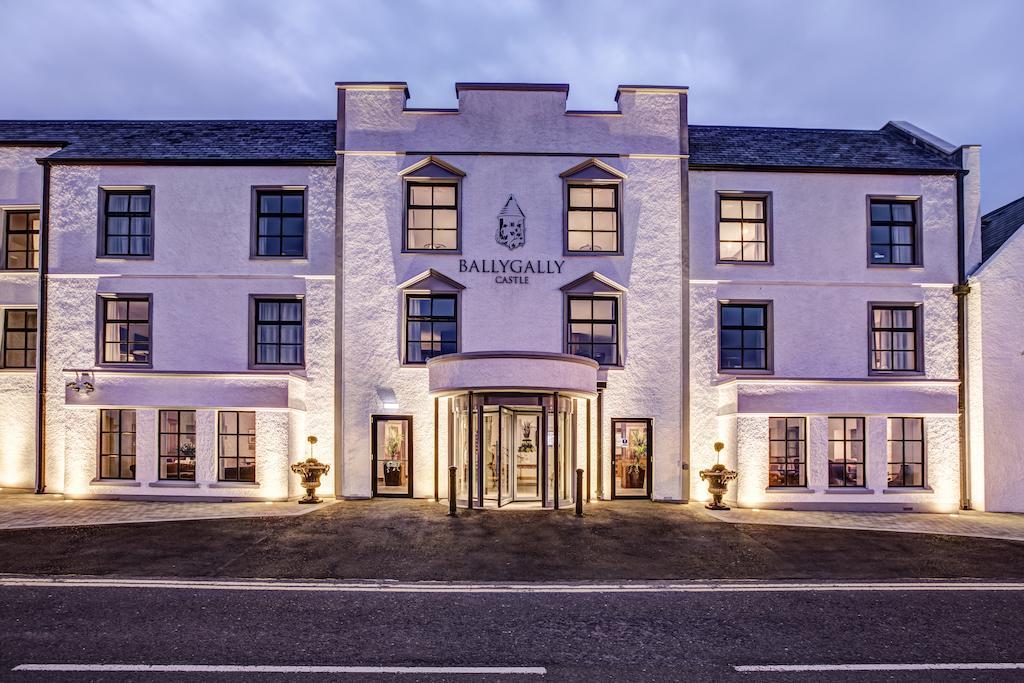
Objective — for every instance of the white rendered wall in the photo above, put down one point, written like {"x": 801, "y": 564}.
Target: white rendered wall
{"x": 996, "y": 432}
{"x": 497, "y": 317}
{"x": 21, "y": 187}
{"x": 200, "y": 280}
{"x": 820, "y": 287}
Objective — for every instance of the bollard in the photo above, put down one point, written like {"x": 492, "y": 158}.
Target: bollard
{"x": 579, "y": 492}
{"x": 451, "y": 491}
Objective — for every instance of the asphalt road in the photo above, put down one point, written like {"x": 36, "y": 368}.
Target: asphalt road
{"x": 667, "y": 634}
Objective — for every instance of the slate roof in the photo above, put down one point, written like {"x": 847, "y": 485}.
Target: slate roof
{"x": 999, "y": 225}
{"x": 811, "y": 148}
{"x": 181, "y": 141}
{"x": 737, "y": 147}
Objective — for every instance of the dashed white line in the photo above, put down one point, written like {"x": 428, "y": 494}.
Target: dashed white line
{"x": 497, "y": 587}
{"x": 284, "y": 669}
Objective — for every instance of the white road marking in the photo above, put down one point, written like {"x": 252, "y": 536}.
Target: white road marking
{"x": 284, "y": 669}
{"x": 950, "y": 666}
{"x": 455, "y": 587}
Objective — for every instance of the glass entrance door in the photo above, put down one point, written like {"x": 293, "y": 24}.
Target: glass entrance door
{"x": 525, "y": 467}
{"x": 631, "y": 458}
{"x": 392, "y": 455}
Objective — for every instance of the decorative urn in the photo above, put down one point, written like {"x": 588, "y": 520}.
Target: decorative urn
{"x": 311, "y": 470}
{"x": 718, "y": 478}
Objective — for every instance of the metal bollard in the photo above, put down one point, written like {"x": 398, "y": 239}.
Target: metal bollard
{"x": 451, "y": 492}
{"x": 579, "y": 492}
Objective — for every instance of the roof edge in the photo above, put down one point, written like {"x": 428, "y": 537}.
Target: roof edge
{"x": 517, "y": 87}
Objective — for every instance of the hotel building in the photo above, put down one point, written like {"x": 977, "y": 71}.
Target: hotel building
{"x": 509, "y": 287}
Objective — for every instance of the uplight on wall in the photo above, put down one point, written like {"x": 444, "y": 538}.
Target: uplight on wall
{"x": 82, "y": 383}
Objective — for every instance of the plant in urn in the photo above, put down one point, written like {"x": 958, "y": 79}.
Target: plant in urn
{"x": 718, "y": 478}
{"x": 311, "y": 470}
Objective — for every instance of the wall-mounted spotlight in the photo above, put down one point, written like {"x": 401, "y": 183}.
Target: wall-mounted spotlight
{"x": 82, "y": 383}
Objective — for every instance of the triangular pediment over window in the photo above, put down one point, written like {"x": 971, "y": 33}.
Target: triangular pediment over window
{"x": 431, "y": 281}
{"x": 593, "y": 169}
{"x": 593, "y": 283}
{"x": 431, "y": 167}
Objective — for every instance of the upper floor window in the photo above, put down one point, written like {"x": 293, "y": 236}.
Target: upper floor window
{"x": 279, "y": 337}
{"x": 743, "y": 336}
{"x": 280, "y": 223}
{"x": 117, "y": 444}
{"x": 127, "y": 223}
{"x": 593, "y": 220}
{"x": 19, "y": 341}
{"x": 906, "y": 451}
{"x": 431, "y": 326}
{"x": 894, "y": 338}
{"x": 21, "y": 241}
{"x": 126, "y": 330}
{"x": 846, "y": 451}
{"x": 236, "y": 452}
{"x": 432, "y": 216}
{"x": 894, "y": 232}
{"x": 743, "y": 228}
{"x": 594, "y": 328}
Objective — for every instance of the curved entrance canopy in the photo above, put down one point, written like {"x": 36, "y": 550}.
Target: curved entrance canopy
{"x": 512, "y": 371}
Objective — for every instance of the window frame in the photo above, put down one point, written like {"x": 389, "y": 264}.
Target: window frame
{"x": 119, "y": 455}
{"x": 407, "y": 184}
{"x": 917, "y": 309}
{"x": 802, "y": 463}
{"x": 195, "y": 440}
{"x": 918, "y": 230}
{"x": 769, "y": 242}
{"x": 846, "y": 452}
{"x": 254, "y": 300}
{"x": 410, "y": 294}
{"x": 5, "y": 311}
{"x": 101, "y": 328}
{"x": 569, "y": 182}
{"x": 237, "y": 435}
{"x": 903, "y": 459}
{"x": 101, "y": 237}
{"x": 254, "y": 221}
{"x": 769, "y": 351}
{"x": 617, "y": 303}
{"x": 6, "y": 213}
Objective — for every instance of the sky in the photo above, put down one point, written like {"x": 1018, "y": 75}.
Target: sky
{"x": 952, "y": 67}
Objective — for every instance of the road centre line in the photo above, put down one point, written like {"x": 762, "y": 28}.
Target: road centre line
{"x": 284, "y": 669}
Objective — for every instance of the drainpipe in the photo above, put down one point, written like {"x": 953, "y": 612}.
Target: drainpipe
{"x": 961, "y": 290}
{"x": 44, "y": 253}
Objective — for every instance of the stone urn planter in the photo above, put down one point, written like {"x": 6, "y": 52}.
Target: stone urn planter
{"x": 310, "y": 470}
{"x": 718, "y": 478}
{"x": 392, "y": 472}
{"x": 635, "y": 476}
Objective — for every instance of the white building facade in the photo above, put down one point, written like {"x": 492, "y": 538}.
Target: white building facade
{"x": 521, "y": 292}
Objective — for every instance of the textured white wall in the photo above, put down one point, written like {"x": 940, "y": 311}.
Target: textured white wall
{"x": 200, "y": 279}
{"x": 997, "y": 291}
{"x": 820, "y": 286}
{"x": 498, "y": 317}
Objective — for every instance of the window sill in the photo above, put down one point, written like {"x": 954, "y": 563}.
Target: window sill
{"x": 114, "y": 482}
{"x": 285, "y": 259}
{"x": 18, "y": 271}
{"x": 909, "y": 489}
{"x": 436, "y": 252}
{"x": 287, "y": 368}
{"x": 904, "y": 266}
{"x": 234, "y": 485}
{"x": 789, "y": 489}
{"x": 744, "y": 263}
{"x": 896, "y": 373}
{"x": 741, "y": 371}
{"x": 105, "y": 257}
{"x": 849, "y": 491}
{"x": 17, "y": 370}
{"x": 591, "y": 253}
{"x": 123, "y": 366}
{"x": 172, "y": 484}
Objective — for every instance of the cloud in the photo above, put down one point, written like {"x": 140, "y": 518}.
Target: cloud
{"x": 948, "y": 66}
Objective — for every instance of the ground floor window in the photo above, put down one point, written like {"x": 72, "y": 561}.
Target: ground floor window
{"x": 787, "y": 451}
{"x": 906, "y": 452}
{"x": 392, "y": 455}
{"x": 631, "y": 458}
{"x": 845, "y": 451}
{"x": 236, "y": 453}
{"x": 178, "y": 445}
{"x": 117, "y": 444}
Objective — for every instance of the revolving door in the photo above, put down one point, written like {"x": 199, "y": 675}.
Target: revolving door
{"x": 510, "y": 448}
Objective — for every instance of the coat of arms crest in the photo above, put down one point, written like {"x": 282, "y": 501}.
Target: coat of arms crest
{"x": 511, "y": 225}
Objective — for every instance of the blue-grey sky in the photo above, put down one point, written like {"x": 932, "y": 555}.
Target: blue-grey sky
{"x": 953, "y": 67}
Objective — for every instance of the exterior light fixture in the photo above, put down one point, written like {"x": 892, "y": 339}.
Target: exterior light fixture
{"x": 82, "y": 383}
{"x": 387, "y": 398}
